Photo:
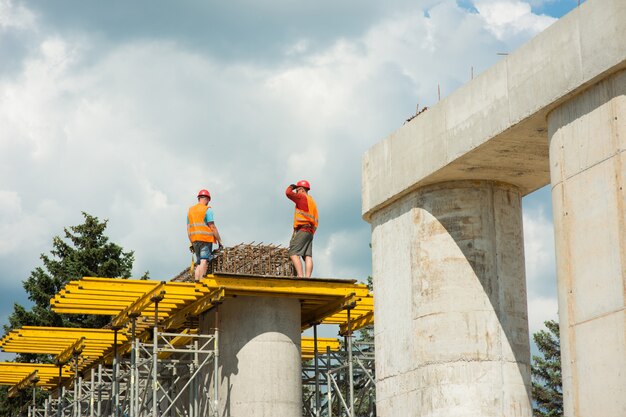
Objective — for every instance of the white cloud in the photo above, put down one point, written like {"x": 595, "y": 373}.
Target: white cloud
{"x": 21, "y": 228}
{"x": 540, "y": 266}
{"x": 539, "y": 251}
{"x": 339, "y": 257}
{"x": 541, "y": 309}
{"x": 509, "y": 18}
{"x": 15, "y": 16}
{"x": 131, "y": 132}
{"x": 10, "y": 204}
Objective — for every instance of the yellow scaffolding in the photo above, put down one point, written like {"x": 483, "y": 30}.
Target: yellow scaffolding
{"x": 323, "y": 301}
{"x": 63, "y": 342}
{"x": 307, "y": 346}
{"x": 13, "y": 374}
{"x": 135, "y": 305}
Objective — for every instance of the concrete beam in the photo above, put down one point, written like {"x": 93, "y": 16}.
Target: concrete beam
{"x": 495, "y": 126}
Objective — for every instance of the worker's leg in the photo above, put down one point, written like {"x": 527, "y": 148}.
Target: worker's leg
{"x": 201, "y": 269}
{"x": 308, "y": 255}
{"x": 296, "y": 250}
{"x": 297, "y": 263}
{"x": 308, "y": 263}
{"x": 203, "y": 253}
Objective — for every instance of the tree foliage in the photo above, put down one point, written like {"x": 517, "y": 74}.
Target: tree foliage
{"x": 84, "y": 250}
{"x": 546, "y": 373}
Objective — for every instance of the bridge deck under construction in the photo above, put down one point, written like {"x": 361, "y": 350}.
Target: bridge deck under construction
{"x": 137, "y": 305}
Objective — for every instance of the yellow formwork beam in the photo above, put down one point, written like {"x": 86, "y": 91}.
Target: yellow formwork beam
{"x": 308, "y": 346}
{"x": 109, "y": 296}
{"x": 98, "y": 296}
{"x": 56, "y": 334}
{"x": 135, "y": 308}
{"x": 12, "y": 373}
{"x": 194, "y": 309}
{"x": 53, "y": 340}
{"x": 317, "y": 315}
{"x": 26, "y": 382}
{"x": 75, "y": 348}
{"x": 356, "y": 324}
{"x": 233, "y": 284}
{"x": 267, "y": 285}
{"x": 323, "y": 301}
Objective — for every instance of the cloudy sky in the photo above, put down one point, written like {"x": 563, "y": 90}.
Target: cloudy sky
{"x": 126, "y": 109}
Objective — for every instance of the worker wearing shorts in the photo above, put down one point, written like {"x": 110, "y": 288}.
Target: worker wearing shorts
{"x": 202, "y": 233}
{"x": 304, "y": 226}
{"x": 202, "y": 250}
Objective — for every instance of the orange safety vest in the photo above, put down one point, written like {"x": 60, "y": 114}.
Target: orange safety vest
{"x": 198, "y": 230}
{"x": 306, "y": 218}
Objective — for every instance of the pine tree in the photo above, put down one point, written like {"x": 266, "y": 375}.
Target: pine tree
{"x": 546, "y": 373}
{"x": 83, "y": 251}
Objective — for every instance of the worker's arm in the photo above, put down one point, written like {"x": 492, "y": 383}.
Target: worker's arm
{"x": 300, "y": 199}
{"x": 290, "y": 193}
{"x": 216, "y": 233}
{"x": 208, "y": 219}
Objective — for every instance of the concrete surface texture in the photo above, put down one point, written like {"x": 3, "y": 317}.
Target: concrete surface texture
{"x": 437, "y": 337}
{"x": 494, "y": 127}
{"x": 451, "y": 324}
{"x": 259, "y": 362}
{"x": 588, "y": 170}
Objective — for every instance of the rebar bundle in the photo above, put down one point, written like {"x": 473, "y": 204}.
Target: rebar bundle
{"x": 247, "y": 258}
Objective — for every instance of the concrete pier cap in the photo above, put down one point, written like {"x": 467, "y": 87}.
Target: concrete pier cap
{"x": 438, "y": 183}
{"x": 495, "y": 127}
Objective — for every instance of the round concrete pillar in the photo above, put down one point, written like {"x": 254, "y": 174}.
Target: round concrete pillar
{"x": 259, "y": 356}
{"x": 588, "y": 174}
{"x": 451, "y": 326}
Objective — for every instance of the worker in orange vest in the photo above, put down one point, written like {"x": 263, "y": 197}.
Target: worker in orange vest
{"x": 202, "y": 232}
{"x": 305, "y": 222}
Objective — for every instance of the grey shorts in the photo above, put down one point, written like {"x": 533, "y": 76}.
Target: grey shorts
{"x": 301, "y": 243}
{"x": 203, "y": 251}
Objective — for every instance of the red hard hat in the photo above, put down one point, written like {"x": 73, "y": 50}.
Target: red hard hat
{"x": 303, "y": 183}
{"x": 204, "y": 193}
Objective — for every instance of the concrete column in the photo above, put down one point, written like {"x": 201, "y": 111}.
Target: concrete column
{"x": 588, "y": 173}
{"x": 259, "y": 362}
{"x": 451, "y": 319}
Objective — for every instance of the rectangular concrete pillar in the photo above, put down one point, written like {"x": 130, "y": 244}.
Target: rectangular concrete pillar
{"x": 588, "y": 173}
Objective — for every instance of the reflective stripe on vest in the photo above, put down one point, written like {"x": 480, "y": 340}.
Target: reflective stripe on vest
{"x": 198, "y": 230}
{"x": 308, "y": 218}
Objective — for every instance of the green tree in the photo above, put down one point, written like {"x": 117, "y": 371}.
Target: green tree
{"x": 546, "y": 373}
{"x": 83, "y": 251}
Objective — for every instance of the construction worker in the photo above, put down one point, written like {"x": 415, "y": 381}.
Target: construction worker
{"x": 202, "y": 232}
{"x": 305, "y": 222}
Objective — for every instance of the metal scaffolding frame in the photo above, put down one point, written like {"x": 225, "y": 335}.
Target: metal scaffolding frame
{"x": 169, "y": 369}
{"x": 151, "y": 363}
{"x": 161, "y": 380}
{"x": 341, "y": 383}
{"x": 166, "y": 375}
